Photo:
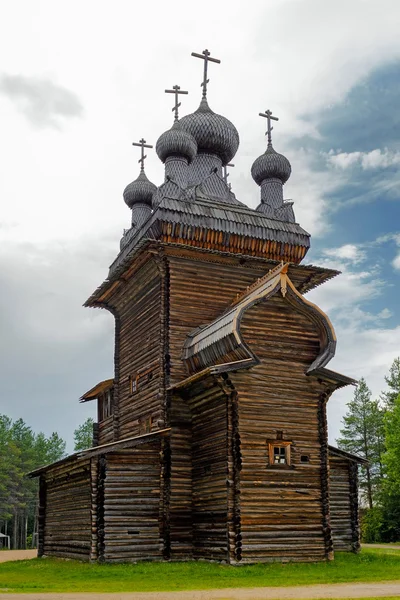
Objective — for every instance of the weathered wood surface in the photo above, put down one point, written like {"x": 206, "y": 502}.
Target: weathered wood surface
{"x": 139, "y": 312}
{"x": 131, "y": 504}
{"x": 106, "y": 430}
{"x": 282, "y": 512}
{"x": 68, "y": 519}
{"x": 180, "y": 509}
{"x": 210, "y": 462}
{"x": 341, "y": 498}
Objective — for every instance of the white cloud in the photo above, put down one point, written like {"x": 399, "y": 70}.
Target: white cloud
{"x": 367, "y": 345}
{"x": 396, "y": 262}
{"x": 350, "y": 252}
{"x": 367, "y": 160}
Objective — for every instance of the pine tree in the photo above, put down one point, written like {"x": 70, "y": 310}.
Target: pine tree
{"x": 83, "y": 435}
{"x": 363, "y": 434}
{"x": 393, "y": 382}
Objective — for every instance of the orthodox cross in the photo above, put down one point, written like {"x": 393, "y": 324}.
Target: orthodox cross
{"x": 226, "y": 174}
{"x": 205, "y": 55}
{"x": 142, "y": 144}
{"x": 176, "y": 90}
{"x": 268, "y": 115}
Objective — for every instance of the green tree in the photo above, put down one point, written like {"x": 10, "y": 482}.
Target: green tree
{"x": 363, "y": 434}
{"x": 393, "y": 382}
{"x": 83, "y": 435}
{"x": 20, "y": 452}
{"x": 390, "y": 497}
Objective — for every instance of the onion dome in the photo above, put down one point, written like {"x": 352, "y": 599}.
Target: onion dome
{"x": 271, "y": 165}
{"x": 176, "y": 142}
{"x": 213, "y": 133}
{"x": 139, "y": 191}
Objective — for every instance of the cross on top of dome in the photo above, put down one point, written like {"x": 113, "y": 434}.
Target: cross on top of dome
{"x": 142, "y": 144}
{"x": 205, "y": 55}
{"x": 176, "y": 90}
{"x": 268, "y": 115}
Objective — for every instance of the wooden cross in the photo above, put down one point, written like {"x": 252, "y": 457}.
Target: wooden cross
{"x": 176, "y": 90}
{"x": 142, "y": 144}
{"x": 226, "y": 174}
{"x": 205, "y": 55}
{"x": 268, "y": 115}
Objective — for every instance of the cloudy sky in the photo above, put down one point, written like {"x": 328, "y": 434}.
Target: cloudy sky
{"x": 79, "y": 81}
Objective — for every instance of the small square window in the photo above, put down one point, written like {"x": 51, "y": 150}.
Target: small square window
{"x": 279, "y": 453}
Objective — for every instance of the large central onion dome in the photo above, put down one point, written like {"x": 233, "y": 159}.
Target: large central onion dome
{"x": 176, "y": 142}
{"x": 271, "y": 165}
{"x": 139, "y": 191}
{"x": 213, "y": 133}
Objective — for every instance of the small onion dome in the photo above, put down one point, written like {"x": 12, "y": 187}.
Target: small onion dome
{"x": 141, "y": 190}
{"x": 176, "y": 142}
{"x": 271, "y": 165}
{"x": 213, "y": 133}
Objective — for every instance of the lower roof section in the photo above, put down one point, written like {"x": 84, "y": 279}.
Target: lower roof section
{"x": 347, "y": 455}
{"x": 131, "y": 442}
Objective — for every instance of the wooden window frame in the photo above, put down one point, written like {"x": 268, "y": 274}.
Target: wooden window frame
{"x": 105, "y": 405}
{"x": 279, "y": 444}
{"x": 145, "y": 425}
{"x": 135, "y": 380}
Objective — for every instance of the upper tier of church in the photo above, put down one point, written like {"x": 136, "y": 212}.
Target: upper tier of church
{"x": 195, "y": 206}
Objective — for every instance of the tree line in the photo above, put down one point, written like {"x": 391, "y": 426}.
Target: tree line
{"x": 371, "y": 429}
{"x": 21, "y": 451}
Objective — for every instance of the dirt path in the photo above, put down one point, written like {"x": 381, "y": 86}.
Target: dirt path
{"x": 6, "y": 555}
{"x": 340, "y": 590}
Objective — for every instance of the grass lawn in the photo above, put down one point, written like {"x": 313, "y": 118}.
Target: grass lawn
{"x": 55, "y": 575}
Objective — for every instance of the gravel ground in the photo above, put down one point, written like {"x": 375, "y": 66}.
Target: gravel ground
{"x": 6, "y": 555}
{"x": 309, "y": 592}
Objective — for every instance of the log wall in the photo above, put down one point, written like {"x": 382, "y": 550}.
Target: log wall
{"x": 180, "y": 489}
{"x": 344, "y": 517}
{"x": 199, "y": 292}
{"x": 281, "y": 507}
{"x": 132, "y": 497}
{"x": 106, "y": 430}
{"x": 138, "y": 312}
{"x": 67, "y": 522}
{"x": 210, "y": 471}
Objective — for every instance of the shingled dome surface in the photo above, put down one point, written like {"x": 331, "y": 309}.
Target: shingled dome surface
{"x": 213, "y": 133}
{"x": 139, "y": 191}
{"x": 271, "y": 165}
{"x": 176, "y": 142}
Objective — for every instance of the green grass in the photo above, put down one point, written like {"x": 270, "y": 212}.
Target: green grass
{"x": 55, "y": 575}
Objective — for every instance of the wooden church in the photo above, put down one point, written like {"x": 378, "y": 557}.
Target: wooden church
{"x": 211, "y": 441}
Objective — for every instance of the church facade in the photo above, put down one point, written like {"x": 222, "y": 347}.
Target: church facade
{"x": 211, "y": 439}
